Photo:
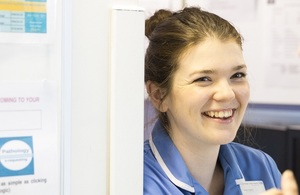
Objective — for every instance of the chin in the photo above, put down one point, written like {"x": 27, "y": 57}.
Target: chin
{"x": 225, "y": 139}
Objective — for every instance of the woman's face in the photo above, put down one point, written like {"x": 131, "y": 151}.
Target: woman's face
{"x": 209, "y": 94}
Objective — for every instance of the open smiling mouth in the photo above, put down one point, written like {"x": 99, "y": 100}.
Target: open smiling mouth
{"x": 226, "y": 114}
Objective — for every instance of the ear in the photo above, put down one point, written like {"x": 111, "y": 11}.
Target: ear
{"x": 156, "y": 95}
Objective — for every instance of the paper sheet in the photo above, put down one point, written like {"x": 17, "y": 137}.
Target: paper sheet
{"x": 27, "y": 21}
{"x": 233, "y": 10}
{"x": 29, "y": 138}
{"x": 282, "y": 44}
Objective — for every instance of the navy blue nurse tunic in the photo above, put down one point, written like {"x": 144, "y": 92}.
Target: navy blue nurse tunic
{"x": 166, "y": 173}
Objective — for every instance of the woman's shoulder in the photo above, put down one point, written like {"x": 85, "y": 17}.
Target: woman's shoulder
{"x": 251, "y": 155}
{"x": 150, "y": 162}
{"x": 148, "y": 154}
{"x": 255, "y": 164}
{"x": 155, "y": 179}
{"x": 245, "y": 151}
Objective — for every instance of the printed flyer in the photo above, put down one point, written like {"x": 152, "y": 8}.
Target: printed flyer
{"x": 27, "y": 21}
{"x": 23, "y": 16}
{"x": 29, "y": 139}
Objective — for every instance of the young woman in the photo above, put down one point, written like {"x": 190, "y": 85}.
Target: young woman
{"x": 196, "y": 78}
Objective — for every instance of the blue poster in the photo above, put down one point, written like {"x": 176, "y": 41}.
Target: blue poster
{"x": 16, "y": 156}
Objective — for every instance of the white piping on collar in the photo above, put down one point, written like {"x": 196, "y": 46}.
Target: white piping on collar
{"x": 166, "y": 169}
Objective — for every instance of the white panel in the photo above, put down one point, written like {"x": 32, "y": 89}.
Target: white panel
{"x": 66, "y": 98}
{"x": 89, "y": 101}
{"x": 127, "y": 101}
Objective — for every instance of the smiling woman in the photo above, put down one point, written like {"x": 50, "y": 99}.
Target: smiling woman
{"x": 196, "y": 78}
{"x": 213, "y": 89}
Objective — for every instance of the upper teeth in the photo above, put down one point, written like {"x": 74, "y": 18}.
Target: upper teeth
{"x": 219, "y": 114}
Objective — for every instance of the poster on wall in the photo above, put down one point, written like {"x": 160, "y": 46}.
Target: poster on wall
{"x": 282, "y": 44}
{"x": 235, "y": 11}
{"x": 29, "y": 139}
{"x": 26, "y": 21}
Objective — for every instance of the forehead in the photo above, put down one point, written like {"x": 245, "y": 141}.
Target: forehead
{"x": 211, "y": 54}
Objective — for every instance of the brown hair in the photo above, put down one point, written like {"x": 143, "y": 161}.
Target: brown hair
{"x": 170, "y": 34}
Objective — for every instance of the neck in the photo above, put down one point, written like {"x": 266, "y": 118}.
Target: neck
{"x": 201, "y": 160}
{"x": 201, "y": 164}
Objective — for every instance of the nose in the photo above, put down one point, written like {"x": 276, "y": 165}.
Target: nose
{"x": 224, "y": 91}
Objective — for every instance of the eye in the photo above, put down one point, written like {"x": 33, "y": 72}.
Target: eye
{"x": 203, "y": 79}
{"x": 238, "y": 75}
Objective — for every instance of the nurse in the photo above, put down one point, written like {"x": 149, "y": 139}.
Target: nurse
{"x": 196, "y": 78}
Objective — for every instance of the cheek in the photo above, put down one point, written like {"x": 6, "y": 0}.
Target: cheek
{"x": 187, "y": 100}
{"x": 244, "y": 94}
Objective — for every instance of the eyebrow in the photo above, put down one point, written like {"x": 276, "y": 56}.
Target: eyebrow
{"x": 211, "y": 71}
